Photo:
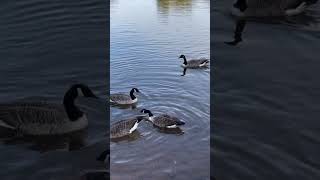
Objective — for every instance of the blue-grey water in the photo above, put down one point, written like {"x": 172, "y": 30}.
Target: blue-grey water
{"x": 266, "y": 92}
{"x": 45, "y": 47}
{"x": 147, "y": 37}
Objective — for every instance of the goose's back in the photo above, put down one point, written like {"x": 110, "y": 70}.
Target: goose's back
{"x": 196, "y": 62}
{"x": 120, "y": 98}
{"x": 39, "y": 118}
{"x": 165, "y": 120}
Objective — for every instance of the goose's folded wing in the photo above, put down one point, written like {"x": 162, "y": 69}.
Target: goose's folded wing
{"x": 28, "y": 113}
{"x": 119, "y": 97}
{"x": 122, "y": 125}
{"x": 166, "y": 120}
{"x": 203, "y": 60}
{"x": 194, "y": 62}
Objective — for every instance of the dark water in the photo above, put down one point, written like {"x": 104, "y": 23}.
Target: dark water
{"x": 147, "y": 37}
{"x": 266, "y": 92}
{"x": 45, "y": 47}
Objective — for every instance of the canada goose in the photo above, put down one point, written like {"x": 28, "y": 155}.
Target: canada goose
{"x": 265, "y": 8}
{"x": 41, "y": 118}
{"x": 194, "y": 63}
{"x": 124, "y": 99}
{"x": 163, "y": 120}
{"x": 125, "y": 127}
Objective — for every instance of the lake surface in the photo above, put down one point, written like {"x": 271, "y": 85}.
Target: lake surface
{"x": 45, "y": 47}
{"x": 266, "y": 92}
{"x": 147, "y": 37}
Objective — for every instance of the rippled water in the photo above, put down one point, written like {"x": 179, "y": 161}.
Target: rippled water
{"x": 147, "y": 37}
{"x": 266, "y": 92}
{"x": 45, "y": 47}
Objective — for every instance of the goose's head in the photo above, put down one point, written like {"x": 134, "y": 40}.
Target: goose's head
{"x": 80, "y": 90}
{"x": 76, "y": 90}
{"x": 240, "y": 5}
{"x": 134, "y": 90}
{"x": 182, "y": 56}
{"x": 145, "y": 111}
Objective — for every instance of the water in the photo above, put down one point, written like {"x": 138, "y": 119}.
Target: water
{"x": 147, "y": 37}
{"x": 266, "y": 92}
{"x": 45, "y": 47}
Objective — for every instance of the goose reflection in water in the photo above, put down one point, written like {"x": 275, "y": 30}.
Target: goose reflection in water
{"x": 184, "y": 71}
{"x": 237, "y": 38}
{"x": 124, "y": 106}
{"x": 307, "y": 20}
{"x": 69, "y": 142}
{"x": 128, "y": 138}
{"x": 177, "y": 130}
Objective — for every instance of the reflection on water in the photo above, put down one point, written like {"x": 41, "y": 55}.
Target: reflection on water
{"x": 306, "y": 21}
{"x": 241, "y": 23}
{"x": 177, "y": 130}
{"x": 266, "y": 96}
{"x": 147, "y": 38}
{"x": 181, "y": 6}
{"x": 185, "y": 70}
{"x": 69, "y": 142}
{"x": 124, "y": 106}
{"x": 131, "y": 137}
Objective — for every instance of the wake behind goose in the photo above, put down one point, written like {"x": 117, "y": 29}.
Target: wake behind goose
{"x": 41, "y": 118}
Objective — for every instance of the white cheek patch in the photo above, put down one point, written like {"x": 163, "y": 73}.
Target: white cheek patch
{"x": 80, "y": 92}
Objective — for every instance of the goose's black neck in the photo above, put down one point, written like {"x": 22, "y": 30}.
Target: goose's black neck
{"x": 132, "y": 95}
{"x": 73, "y": 111}
{"x": 241, "y": 5}
{"x": 149, "y": 113}
{"x": 185, "y": 60}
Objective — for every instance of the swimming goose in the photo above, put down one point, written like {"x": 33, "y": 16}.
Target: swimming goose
{"x": 124, "y": 99}
{"x": 265, "y": 8}
{"x": 125, "y": 127}
{"x": 163, "y": 120}
{"x": 194, "y": 63}
{"x": 41, "y": 118}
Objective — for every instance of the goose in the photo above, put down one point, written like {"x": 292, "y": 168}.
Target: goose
{"x": 194, "y": 63}
{"x": 163, "y": 120}
{"x": 125, "y": 127}
{"x": 41, "y": 118}
{"x": 265, "y": 8}
{"x": 124, "y": 99}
